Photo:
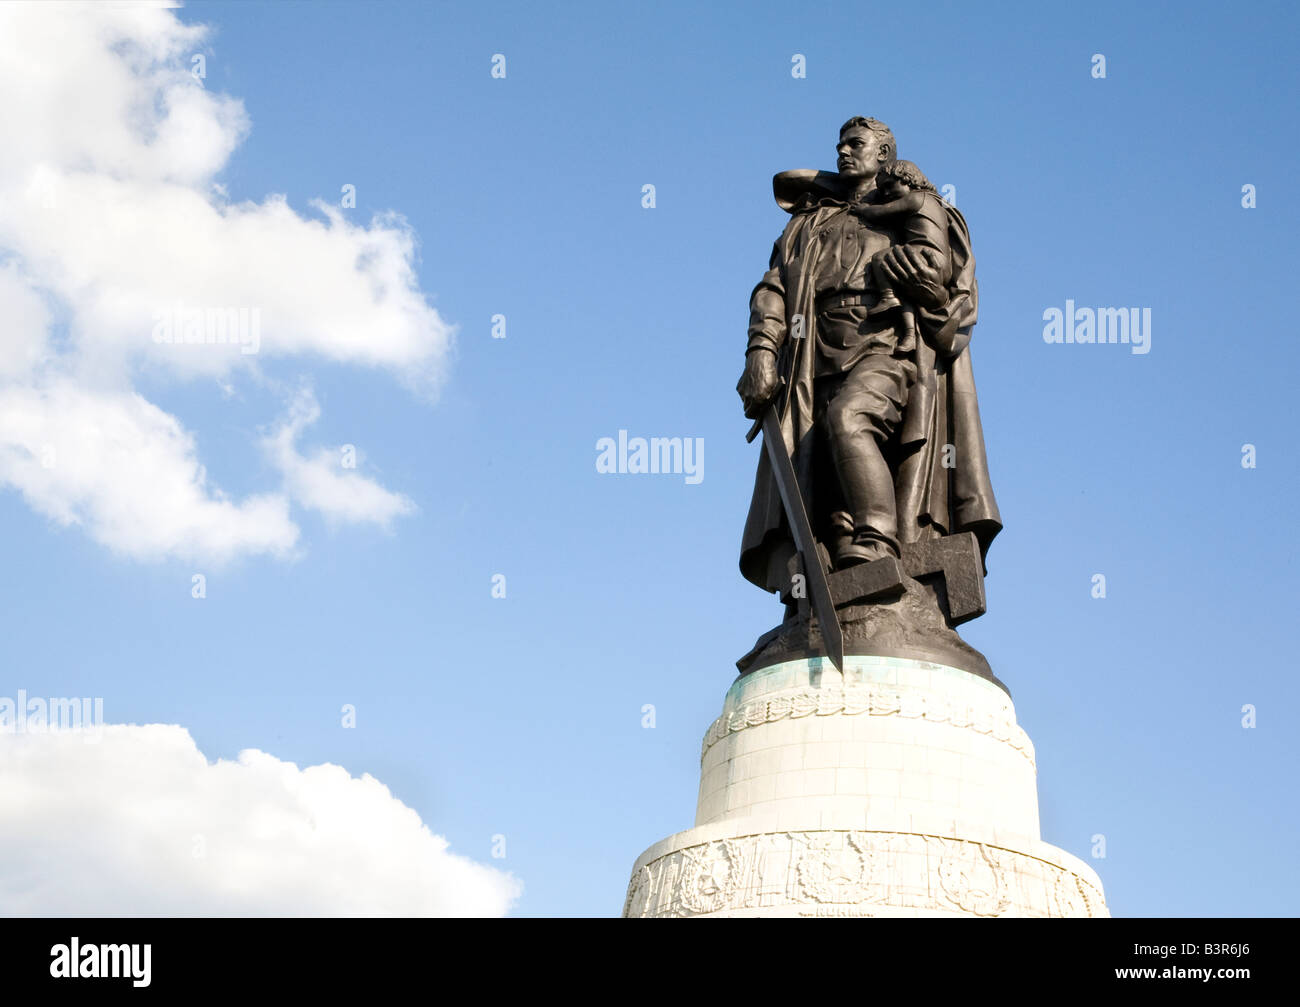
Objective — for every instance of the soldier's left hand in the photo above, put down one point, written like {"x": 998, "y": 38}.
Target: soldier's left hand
{"x": 915, "y": 269}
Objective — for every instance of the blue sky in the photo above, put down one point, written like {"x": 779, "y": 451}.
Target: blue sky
{"x": 521, "y": 716}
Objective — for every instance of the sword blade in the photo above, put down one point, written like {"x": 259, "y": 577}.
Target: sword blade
{"x": 819, "y": 589}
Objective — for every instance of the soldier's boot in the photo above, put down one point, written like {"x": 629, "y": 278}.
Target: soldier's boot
{"x": 869, "y": 493}
{"x": 840, "y": 537}
{"x": 867, "y": 549}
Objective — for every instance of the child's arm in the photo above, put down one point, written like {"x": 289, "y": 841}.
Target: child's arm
{"x": 903, "y": 205}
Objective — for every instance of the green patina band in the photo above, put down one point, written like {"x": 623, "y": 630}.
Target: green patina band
{"x": 817, "y": 672}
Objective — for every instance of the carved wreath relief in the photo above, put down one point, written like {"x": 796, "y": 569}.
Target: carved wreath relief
{"x": 837, "y": 873}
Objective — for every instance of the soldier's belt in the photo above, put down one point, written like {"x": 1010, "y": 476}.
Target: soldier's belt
{"x": 830, "y": 301}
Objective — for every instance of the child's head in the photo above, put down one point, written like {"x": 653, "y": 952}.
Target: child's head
{"x": 900, "y": 176}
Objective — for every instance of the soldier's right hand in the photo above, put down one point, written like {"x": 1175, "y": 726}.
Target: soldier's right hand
{"x": 758, "y": 385}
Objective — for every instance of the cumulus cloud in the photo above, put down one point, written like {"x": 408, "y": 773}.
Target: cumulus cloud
{"x": 139, "y": 822}
{"x": 24, "y": 320}
{"x": 321, "y": 482}
{"x": 120, "y": 255}
{"x": 127, "y": 472}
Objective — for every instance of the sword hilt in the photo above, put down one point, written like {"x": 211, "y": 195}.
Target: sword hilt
{"x": 758, "y": 423}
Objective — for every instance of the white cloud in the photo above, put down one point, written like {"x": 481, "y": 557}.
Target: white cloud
{"x": 24, "y": 320}
{"x": 127, "y": 472}
{"x": 112, "y": 221}
{"x": 321, "y": 482}
{"x": 140, "y": 823}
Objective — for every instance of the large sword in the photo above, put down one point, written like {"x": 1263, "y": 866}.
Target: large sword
{"x": 819, "y": 589}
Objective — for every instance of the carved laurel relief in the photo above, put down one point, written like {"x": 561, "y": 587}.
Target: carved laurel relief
{"x": 839, "y": 872}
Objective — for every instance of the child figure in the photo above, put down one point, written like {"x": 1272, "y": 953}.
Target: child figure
{"x": 907, "y": 203}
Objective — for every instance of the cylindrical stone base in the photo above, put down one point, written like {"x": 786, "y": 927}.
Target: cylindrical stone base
{"x": 900, "y": 788}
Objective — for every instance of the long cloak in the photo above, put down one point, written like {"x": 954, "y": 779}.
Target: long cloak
{"x": 937, "y": 492}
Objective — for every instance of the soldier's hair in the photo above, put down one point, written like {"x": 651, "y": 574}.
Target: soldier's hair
{"x": 884, "y": 135}
{"x": 907, "y": 173}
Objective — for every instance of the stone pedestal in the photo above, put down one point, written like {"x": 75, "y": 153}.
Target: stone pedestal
{"x": 900, "y": 788}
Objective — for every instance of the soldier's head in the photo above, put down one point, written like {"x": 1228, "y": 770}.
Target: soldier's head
{"x": 866, "y": 145}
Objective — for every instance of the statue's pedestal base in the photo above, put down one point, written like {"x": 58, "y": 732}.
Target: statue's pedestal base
{"x": 901, "y": 788}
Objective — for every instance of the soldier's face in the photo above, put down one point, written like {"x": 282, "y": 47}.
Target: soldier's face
{"x": 859, "y": 153}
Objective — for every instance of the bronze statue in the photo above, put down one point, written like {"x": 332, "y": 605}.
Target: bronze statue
{"x": 859, "y": 357}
